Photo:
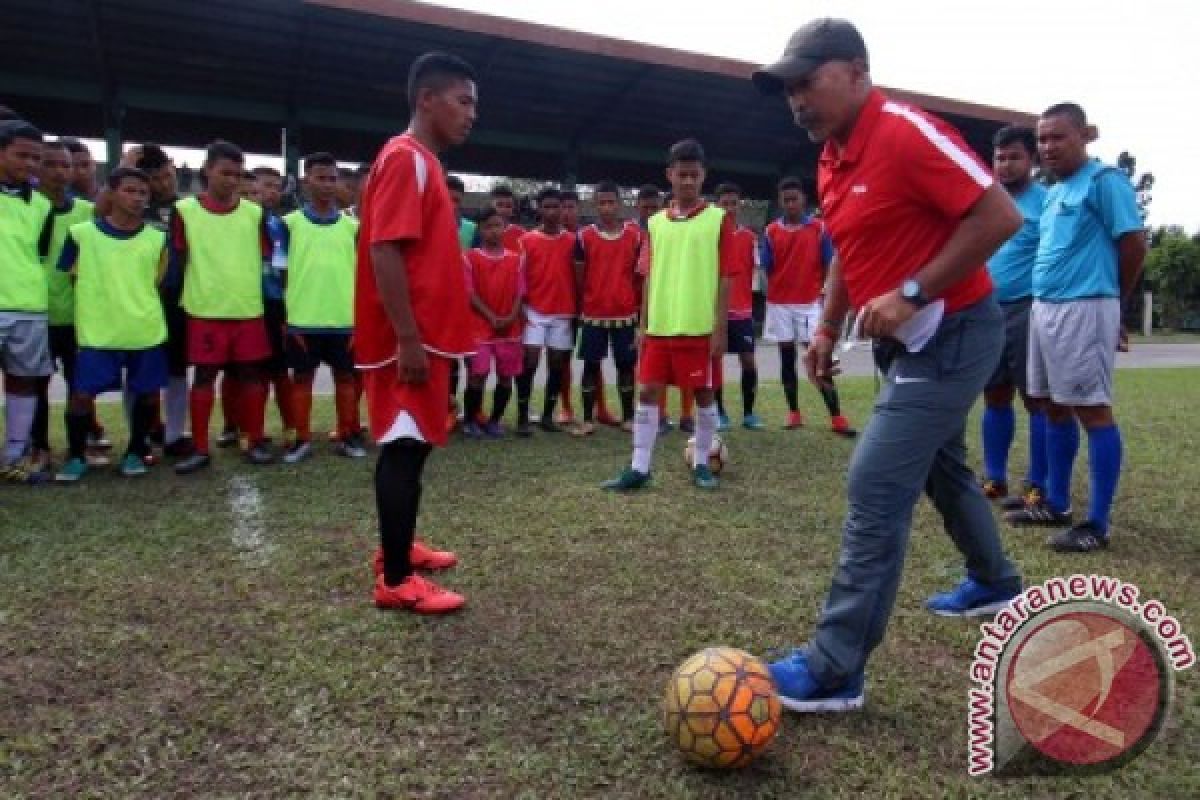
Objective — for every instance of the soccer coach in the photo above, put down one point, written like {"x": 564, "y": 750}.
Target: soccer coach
{"x": 914, "y": 217}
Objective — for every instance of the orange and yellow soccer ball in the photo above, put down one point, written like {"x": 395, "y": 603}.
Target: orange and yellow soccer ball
{"x": 721, "y": 709}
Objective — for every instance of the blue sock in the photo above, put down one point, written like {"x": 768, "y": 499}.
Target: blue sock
{"x": 999, "y": 427}
{"x": 1062, "y": 444}
{"x": 1104, "y": 462}
{"x": 1037, "y": 450}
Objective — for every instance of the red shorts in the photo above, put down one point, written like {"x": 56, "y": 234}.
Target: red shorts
{"x": 217, "y": 342}
{"x": 425, "y": 403}
{"x": 683, "y": 361}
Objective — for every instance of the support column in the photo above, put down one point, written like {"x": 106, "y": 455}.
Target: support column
{"x": 114, "y": 127}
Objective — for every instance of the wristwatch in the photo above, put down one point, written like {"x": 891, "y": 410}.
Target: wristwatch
{"x": 911, "y": 291}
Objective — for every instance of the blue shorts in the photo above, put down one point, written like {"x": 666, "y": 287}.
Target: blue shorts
{"x": 594, "y": 341}
{"x": 98, "y": 371}
{"x": 741, "y": 336}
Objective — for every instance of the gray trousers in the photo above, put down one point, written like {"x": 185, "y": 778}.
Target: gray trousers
{"x": 914, "y": 441}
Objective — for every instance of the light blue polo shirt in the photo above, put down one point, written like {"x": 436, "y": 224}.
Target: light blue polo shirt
{"x": 1012, "y": 265}
{"x": 1082, "y": 219}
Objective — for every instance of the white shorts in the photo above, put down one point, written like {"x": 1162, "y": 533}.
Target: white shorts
{"x": 552, "y": 332}
{"x": 788, "y": 323}
{"x": 1073, "y": 350}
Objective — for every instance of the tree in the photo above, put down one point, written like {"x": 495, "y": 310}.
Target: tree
{"x": 1143, "y": 184}
{"x": 1173, "y": 265}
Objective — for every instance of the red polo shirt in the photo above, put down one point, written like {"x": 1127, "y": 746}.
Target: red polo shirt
{"x": 893, "y": 197}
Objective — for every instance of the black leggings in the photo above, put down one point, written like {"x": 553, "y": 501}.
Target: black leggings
{"x": 398, "y": 499}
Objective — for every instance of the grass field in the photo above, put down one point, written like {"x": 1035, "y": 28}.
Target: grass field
{"x": 212, "y": 636}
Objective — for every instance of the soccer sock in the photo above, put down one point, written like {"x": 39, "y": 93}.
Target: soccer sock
{"x": 398, "y": 499}
{"x": 282, "y": 383}
{"x": 345, "y": 404}
{"x": 1037, "y": 450}
{"x": 40, "y": 432}
{"x": 706, "y": 428}
{"x": 645, "y": 431}
{"x": 687, "y": 403}
{"x": 500, "y": 397}
{"x": 455, "y": 377}
{"x": 79, "y": 423}
{"x": 587, "y": 389}
{"x": 564, "y": 388}
{"x": 252, "y": 399}
{"x": 625, "y": 390}
{"x": 177, "y": 408}
{"x": 749, "y": 389}
{"x": 230, "y": 403}
{"x": 602, "y": 412}
{"x": 524, "y": 390}
{"x": 662, "y": 404}
{"x": 19, "y": 411}
{"x": 139, "y": 427}
{"x": 1062, "y": 443}
{"x": 553, "y": 383}
{"x": 1104, "y": 464}
{"x": 201, "y": 402}
{"x": 787, "y": 374}
{"x": 719, "y": 395}
{"x": 833, "y": 403}
{"x": 472, "y": 404}
{"x": 999, "y": 426}
{"x": 302, "y": 399}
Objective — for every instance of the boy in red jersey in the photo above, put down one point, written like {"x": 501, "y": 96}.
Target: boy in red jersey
{"x": 550, "y": 306}
{"x": 504, "y": 201}
{"x": 607, "y": 254}
{"x": 412, "y": 317}
{"x": 741, "y": 312}
{"x": 497, "y": 283}
{"x": 796, "y": 254}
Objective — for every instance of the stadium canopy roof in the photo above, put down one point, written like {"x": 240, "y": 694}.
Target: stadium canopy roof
{"x": 554, "y": 104}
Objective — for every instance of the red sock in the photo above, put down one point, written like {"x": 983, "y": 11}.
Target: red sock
{"x": 687, "y": 404}
{"x": 345, "y": 399}
{"x": 302, "y": 396}
{"x": 229, "y": 403}
{"x": 283, "y": 400}
{"x": 200, "y": 399}
{"x": 252, "y": 402}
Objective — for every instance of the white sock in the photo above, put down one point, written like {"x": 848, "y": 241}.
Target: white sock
{"x": 176, "y": 412}
{"x": 645, "y": 431}
{"x": 18, "y": 422}
{"x": 706, "y": 428}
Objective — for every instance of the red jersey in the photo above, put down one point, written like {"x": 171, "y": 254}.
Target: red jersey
{"x": 795, "y": 258}
{"x": 893, "y": 197}
{"x": 550, "y": 272}
{"x": 609, "y": 267}
{"x": 741, "y": 278}
{"x": 499, "y": 280}
{"x": 405, "y": 200}
{"x": 511, "y": 238}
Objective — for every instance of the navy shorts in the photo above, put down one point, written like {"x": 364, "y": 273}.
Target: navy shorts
{"x": 307, "y": 351}
{"x": 594, "y": 341}
{"x": 275, "y": 317}
{"x": 741, "y": 336}
{"x": 98, "y": 371}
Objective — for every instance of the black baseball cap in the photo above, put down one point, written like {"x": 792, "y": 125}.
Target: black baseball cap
{"x": 813, "y": 44}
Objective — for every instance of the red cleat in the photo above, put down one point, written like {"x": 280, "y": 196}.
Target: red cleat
{"x": 418, "y": 595}
{"x": 422, "y": 556}
{"x": 794, "y": 420}
{"x": 608, "y": 419}
{"x": 841, "y": 426}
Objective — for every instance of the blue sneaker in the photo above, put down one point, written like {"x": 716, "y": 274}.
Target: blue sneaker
{"x": 722, "y": 423}
{"x": 970, "y": 599}
{"x": 629, "y": 480}
{"x": 703, "y": 478}
{"x": 799, "y": 690}
{"x": 472, "y": 430}
{"x": 753, "y": 422}
{"x": 665, "y": 426}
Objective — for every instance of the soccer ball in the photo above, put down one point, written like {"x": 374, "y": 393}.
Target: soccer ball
{"x": 718, "y": 454}
{"x": 721, "y": 709}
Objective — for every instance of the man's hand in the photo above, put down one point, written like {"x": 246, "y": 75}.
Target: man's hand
{"x": 411, "y": 362}
{"x": 718, "y": 342}
{"x": 883, "y": 315}
{"x": 819, "y": 363}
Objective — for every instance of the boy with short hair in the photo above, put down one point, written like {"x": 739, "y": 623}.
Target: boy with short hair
{"x": 687, "y": 260}
{"x": 496, "y": 278}
{"x": 504, "y": 201}
{"x": 116, "y": 263}
{"x": 741, "y": 311}
{"x": 468, "y": 234}
{"x": 796, "y": 254}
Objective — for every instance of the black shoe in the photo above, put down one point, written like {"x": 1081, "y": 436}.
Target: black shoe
{"x": 548, "y": 425}
{"x": 157, "y": 437}
{"x": 1039, "y": 515}
{"x": 180, "y": 448}
{"x": 193, "y": 463}
{"x": 260, "y": 455}
{"x": 1083, "y": 538}
{"x": 1030, "y": 495}
{"x": 523, "y": 429}
{"x": 228, "y": 438}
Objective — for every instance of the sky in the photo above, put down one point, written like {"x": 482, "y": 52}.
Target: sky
{"x": 1121, "y": 61}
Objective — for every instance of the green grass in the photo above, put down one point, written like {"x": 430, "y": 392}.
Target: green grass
{"x": 212, "y": 636}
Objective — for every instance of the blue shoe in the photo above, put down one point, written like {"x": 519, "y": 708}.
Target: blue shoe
{"x": 687, "y": 425}
{"x": 702, "y": 477}
{"x": 970, "y": 599}
{"x": 752, "y": 422}
{"x": 472, "y": 430}
{"x": 723, "y": 423}
{"x": 628, "y": 480}
{"x": 799, "y": 690}
{"x": 665, "y": 426}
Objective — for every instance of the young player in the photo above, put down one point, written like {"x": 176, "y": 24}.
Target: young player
{"x": 219, "y": 242}
{"x": 270, "y": 190}
{"x": 686, "y": 259}
{"x": 83, "y": 166}
{"x": 497, "y": 283}
{"x": 570, "y": 223}
{"x": 317, "y": 252}
{"x": 412, "y": 316}
{"x": 796, "y": 254}
{"x": 741, "y": 312}
{"x": 25, "y": 226}
{"x": 468, "y": 232}
{"x": 504, "y": 201}
{"x": 550, "y": 306}
{"x": 607, "y": 254}
{"x": 117, "y": 263}
{"x": 54, "y": 178}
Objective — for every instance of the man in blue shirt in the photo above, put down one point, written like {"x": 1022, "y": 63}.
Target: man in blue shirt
{"x": 1014, "y": 152}
{"x": 1089, "y": 258}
